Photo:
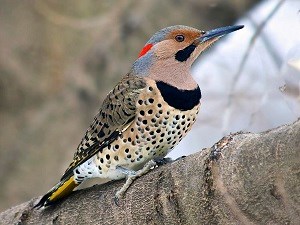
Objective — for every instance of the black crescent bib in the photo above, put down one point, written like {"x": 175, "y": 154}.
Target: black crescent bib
{"x": 179, "y": 99}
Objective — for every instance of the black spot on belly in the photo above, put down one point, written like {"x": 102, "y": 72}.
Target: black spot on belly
{"x": 179, "y": 99}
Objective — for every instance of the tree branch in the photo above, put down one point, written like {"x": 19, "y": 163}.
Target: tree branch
{"x": 245, "y": 178}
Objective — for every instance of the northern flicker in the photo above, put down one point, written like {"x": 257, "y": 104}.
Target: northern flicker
{"x": 145, "y": 116}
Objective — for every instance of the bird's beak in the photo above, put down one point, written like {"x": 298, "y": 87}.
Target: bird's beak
{"x": 217, "y": 33}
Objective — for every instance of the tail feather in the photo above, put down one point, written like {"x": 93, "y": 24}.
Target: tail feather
{"x": 60, "y": 190}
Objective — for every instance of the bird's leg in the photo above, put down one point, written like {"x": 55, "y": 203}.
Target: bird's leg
{"x": 131, "y": 175}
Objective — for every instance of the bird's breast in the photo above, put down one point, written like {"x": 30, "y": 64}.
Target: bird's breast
{"x": 179, "y": 99}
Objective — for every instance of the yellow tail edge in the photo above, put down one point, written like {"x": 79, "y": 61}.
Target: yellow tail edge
{"x": 60, "y": 190}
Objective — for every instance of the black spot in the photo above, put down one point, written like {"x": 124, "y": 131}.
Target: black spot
{"x": 116, "y": 158}
{"x": 177, "y": 117}
{"x": 144, "y": 121}
{"x": 182, "y": 123}
{"x": 126, "y": 150}
{"x": 142, "y": 112}
{"x": 148, "y": 148}
{"x": 116, "y": 146}
{"x": 150, "y": 111}
{"x": 158, "y": 105}
{"x": 101, "y": 134}
{"x": 151, "y": 132}
{"x": 150, "y": 88}
{"x": 140, "y": 102}
{"x": 124, "y": 140}
{"x": 101, "y": 160}
{"x": 174, "y": 142}
{"x": 184, "y": 54}
{"x": 153, "y": 120}
{"x": 179, "y": 99}
{"x": 153, "y": 142}
{"x": 151, "y": 100}
{"x": 178, "y": 127}
{"x": 128, "y": 156}
{"x": 158, "y": 131}
{"x": 107, "y": 156}
{"x": 99, "y": 167}
{"x": 77, "y": 171}
{"x": 129, "y": 139}
{"x": 162, "y": 135}
{"x": 140, "y": 156}
{"x": 147, "y": 128}
{"x": 161, "y": 140}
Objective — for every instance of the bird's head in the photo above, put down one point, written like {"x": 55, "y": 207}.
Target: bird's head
{"x": 177, "y": 46}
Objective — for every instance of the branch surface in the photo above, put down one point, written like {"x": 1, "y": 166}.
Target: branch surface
{"x": 245, "y": 178}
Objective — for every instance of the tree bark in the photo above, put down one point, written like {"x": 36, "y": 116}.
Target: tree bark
{"x": 245, "y": 178}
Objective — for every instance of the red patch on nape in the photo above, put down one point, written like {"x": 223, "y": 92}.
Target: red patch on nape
{"x": 145, "y": 49}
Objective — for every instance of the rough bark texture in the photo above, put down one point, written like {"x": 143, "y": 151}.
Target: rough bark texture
{"x": 245, "y": 178}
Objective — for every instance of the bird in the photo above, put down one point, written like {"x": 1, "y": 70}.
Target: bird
{"x": 145, "y": 115}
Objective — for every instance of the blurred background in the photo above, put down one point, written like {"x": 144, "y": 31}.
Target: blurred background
{"x": 59, "y": 59}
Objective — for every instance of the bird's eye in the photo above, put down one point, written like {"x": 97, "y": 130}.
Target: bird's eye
{"x": 179, "y": 38}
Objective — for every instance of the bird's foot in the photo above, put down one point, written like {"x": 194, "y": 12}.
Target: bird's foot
{"x": 131, "y": 175}
{"x": 163, "y": 161}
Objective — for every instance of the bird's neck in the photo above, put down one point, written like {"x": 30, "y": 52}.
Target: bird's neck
{"x": 174, "y": 73}
{"x": 169, "y": 71}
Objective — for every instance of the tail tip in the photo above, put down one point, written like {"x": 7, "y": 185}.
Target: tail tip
{"x": 43, "y": 202}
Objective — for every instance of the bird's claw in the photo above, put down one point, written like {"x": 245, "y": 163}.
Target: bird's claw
{"x": 163, "y": 161}
{"x": 117, "y": 199}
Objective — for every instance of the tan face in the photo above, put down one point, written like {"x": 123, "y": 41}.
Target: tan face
{"x": 179, "y": 40}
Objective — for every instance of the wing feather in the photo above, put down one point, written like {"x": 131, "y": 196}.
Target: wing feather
{"x": 116, "y": 114}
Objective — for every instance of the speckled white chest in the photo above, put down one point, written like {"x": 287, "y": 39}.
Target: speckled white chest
{"x": 156, "y": 130}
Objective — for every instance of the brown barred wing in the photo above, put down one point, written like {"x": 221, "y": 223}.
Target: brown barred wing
{"x": 116, "y": 114}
